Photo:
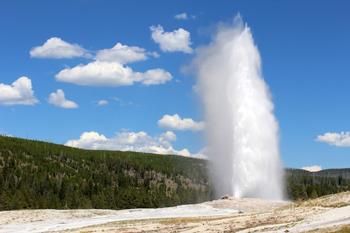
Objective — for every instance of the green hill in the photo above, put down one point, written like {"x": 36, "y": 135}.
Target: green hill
{"x": 37, "y": 174}
{"x": 43, "y": 175}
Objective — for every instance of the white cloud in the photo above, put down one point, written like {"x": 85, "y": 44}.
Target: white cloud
{"x": 129, "y": 141}
{"x": 341, "y": 139}
{"x": 168, "y": 136}
{"x": 102, "y": 103}
{"x": 100, "y": 73}
{"x": 314, "y": 168}
{"x": 201, "y": 154}
{"x": 19, "y": 92}
{"x": 175, "y": 122}
{"x": 97, "y": 74}
{"x": 88, "y": 140}
{"x": 57, "y": 48}
{"x": 58, "y": 99}
{"x": 176, "y": 41}
{"x": 122, "y": 54}
{"x": 182, "y": 16}
{"x": 153, "y": 77}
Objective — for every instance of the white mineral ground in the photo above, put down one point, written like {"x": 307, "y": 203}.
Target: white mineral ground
{"x": 324, "y": 214}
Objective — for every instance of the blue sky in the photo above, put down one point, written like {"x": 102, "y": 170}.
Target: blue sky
{"x": 304, "y": 48}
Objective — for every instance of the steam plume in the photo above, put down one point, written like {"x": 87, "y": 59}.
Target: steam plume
{"x": 241, "y": 129}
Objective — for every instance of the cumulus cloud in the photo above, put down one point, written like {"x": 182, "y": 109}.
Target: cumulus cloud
{"x": 153, "y": 77}
{"x": 175, "y": 122}
{"x": 181, "y": 16}
{"x": 99, "y": 73}
{"x": 129, "y": 141}
{"x": 314, "y": 168}
{"x": 176, "y": 41}
{"x": 57, "y": 48}
{"x": 58, "y": 99}
{"x": 122, "y": 54}
{"x": 168, "y": 136}
{"x": 102, "y": 103}
{"x": 19, "y": 92}
{"x": 341, "y": 139}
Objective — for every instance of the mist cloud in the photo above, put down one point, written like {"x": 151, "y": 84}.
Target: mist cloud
{"x": 241, "y": 130}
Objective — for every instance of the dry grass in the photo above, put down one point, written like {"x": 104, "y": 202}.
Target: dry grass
{"x": 345, "y": 229}
{"x": 342, "y": 229}
{"x": 328, "y": 201}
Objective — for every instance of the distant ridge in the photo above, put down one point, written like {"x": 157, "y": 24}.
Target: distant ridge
{"x": 332, "y": 172}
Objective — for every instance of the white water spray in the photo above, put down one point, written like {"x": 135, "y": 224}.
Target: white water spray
{"x": 241, "y": 129}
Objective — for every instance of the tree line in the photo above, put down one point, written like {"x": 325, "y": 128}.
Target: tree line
{"x": 37, "y": 175}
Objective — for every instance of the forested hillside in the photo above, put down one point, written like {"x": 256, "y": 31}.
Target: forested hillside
{"x": 303, "y": 185}
{"x": 43, "y": 175}
{"x": 37, "y": 174}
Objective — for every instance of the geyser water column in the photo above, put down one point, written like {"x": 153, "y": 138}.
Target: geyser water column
{"x": 241, "y": 129}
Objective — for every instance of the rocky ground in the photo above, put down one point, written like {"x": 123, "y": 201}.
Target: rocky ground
{"x": 326, "y": 214}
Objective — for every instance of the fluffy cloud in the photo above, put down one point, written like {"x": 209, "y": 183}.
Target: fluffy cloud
{"x": 57, "y": 48}
{"x": 153, "y": 77}
{"x": 129, "y": 141}
{"x": 182, "y": 16}
{"x": 314, "y": 168}
{"x": 176, "y": 41}
{"x": 19, "y": 92}
{"x": 168, "y": 136}
{"x": 58, "y": 99}
{"x": 122, "y": 54}
{"x": 109, "y": 67}
{"x": 102, "y": 103}
{"x": 341, "y": 139}
{"x": 99, "y": 73}
{"x": 175, "y": 122}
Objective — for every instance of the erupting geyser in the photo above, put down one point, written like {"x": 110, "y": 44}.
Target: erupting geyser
{"x": 241, "y": 129}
